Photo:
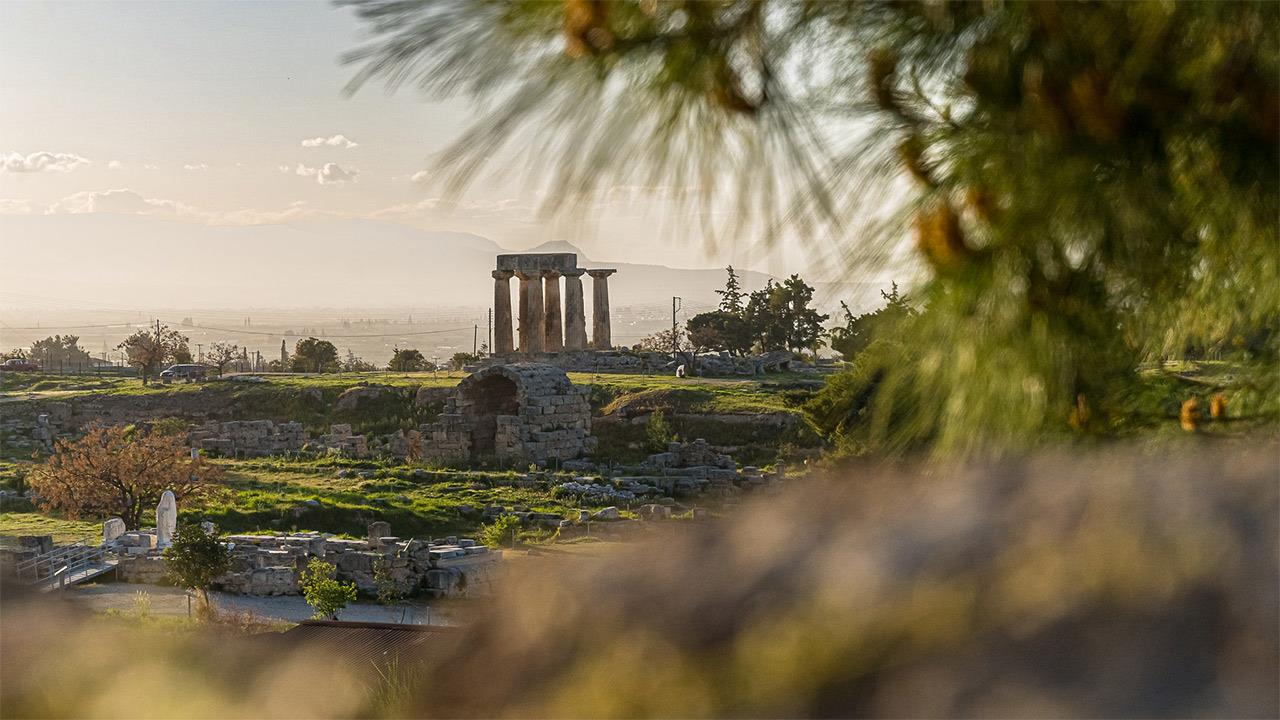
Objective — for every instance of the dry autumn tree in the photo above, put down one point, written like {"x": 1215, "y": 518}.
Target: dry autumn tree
{"x": 120, "y": 471}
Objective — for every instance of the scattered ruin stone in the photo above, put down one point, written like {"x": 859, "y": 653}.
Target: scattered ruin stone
{"x": 607, "y": 514}
{"x": 351, "y": 398}
{"x": 43, "y": 433}
{"x": 112, "y": 529}
{"x": 377, "y": 531}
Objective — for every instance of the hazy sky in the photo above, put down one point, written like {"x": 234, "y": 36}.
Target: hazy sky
{"x": 233, "y": 112}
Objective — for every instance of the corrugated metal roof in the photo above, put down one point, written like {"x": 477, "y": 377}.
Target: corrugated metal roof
{"x": 362, "y": 644}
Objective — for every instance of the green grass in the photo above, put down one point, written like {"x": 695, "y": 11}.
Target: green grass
{"x": 70, "y": 385}
{"x": 62, "y": 530}
{"x": 272, "y": 493}
{"x": 275, "y": 495}
{"x": 699, "y": 394}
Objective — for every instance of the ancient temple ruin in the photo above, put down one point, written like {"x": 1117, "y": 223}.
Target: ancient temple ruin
{"x": 546, "y": 327}
{"x": 522, "y": 411}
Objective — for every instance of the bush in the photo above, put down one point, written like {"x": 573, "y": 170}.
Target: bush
{"x": 658, "y": 432}
{"x": 195, "y": 558}
{"x": 500, "y": 530}
{"x": 390, "y": 592}
{"x": 324, "y": 593}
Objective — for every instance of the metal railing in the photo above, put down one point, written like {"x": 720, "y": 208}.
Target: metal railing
{"x": 62, "y": 562}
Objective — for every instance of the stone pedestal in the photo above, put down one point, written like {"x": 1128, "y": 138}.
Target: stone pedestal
{"x": 502, "y": 340}
{"x": 553, "y": 335}
{"x": 575, "y": 318}
{"x": 601, "y": 331}
{"x": 531, "y": 313}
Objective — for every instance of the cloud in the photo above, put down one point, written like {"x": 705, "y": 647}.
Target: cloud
{"x": 338, "y": 140}
{"x": 14, "y": 206}
{"x": 195, "y": 167}
{"x": 420, "y": 176}
{"x": 120, "y": 201}
{"x": 39, "y": 161}
{"x": 514, "y": 209}
{"x": 327, "y": 174}
{"x": 115, "y": 165}
{"x": 150, "y": 166}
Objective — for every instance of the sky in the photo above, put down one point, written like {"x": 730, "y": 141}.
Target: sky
{"x": 234, "y": 113}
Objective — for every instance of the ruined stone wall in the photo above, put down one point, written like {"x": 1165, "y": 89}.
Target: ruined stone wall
{"x": 271, "y": 564}
{"x": 248, "y": 438}
{"x": 716, "y": 364}
{"x": 551, "y": 417}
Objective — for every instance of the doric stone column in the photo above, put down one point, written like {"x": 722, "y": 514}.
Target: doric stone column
{"x": 502, "y": 344}
{"x": 601, "y": 331}
{"x": 553, "y": 337}
{"x": 531, "y": 323}
{"x": 575, "y": 317}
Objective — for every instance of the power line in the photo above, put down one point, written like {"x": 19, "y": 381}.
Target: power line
{"x": 56, "y": 326}
{"x": 241, "y": 332}
{"x": 326, "y": 335}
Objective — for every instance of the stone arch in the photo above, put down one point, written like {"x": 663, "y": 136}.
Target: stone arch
{"x": 486, "y": 398}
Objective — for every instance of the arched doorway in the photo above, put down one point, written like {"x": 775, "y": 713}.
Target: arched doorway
{"x": 488, "y": 398}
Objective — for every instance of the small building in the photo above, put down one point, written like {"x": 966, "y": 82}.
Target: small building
{"x": 517, "y": 412}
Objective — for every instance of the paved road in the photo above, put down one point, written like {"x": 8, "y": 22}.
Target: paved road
{"x": 291, "y": 608}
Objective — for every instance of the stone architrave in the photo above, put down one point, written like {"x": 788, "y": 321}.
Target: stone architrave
{"x": 166, "y": 519}
{"x": 553, "y": 337}
{"x": 502, "y": 340}
{"x": 601, "y": 330}
{"x": 575, "y": 317}
{"x": 531, "y": 321}
{"x": 112, "y": 529}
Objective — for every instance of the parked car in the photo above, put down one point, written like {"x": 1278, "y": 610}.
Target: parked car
{"x": 20, "y": 364}
{"x": 185, "y": 371}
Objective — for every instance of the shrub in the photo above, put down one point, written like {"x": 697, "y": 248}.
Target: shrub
{"x": 324, "y": 593}
{"x": 195, "y": 558}
{"x": 658, "y": 432}
{"x": 502, "y": 529}
{"x": 390, "y": 592}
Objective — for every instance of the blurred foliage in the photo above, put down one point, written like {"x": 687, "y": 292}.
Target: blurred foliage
{"x": 1120, "y": 583}
{"x": 1090, "y": 185}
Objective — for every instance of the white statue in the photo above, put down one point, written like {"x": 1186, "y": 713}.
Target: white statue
{"x": 166, "y": 519}
{"x": 112, "y": 529}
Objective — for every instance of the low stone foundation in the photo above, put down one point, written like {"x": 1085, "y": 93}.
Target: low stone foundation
{"x": 271, "y": 564}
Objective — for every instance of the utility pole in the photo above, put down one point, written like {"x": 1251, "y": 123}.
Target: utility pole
{"x": 475, "y": 339}
{"x": 676, "y": 304}
{"x": 199, "y": 352}
{"x": 490, "y": 316}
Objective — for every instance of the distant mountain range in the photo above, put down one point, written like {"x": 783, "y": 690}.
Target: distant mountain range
{"x": 149, "y": 261}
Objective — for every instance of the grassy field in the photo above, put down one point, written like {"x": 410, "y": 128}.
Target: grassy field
{"x": 284, "y": 494}
{"x": 27, "y": 384}
{"x": 278, "y": 494}
{"x": 63, "y": 530}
